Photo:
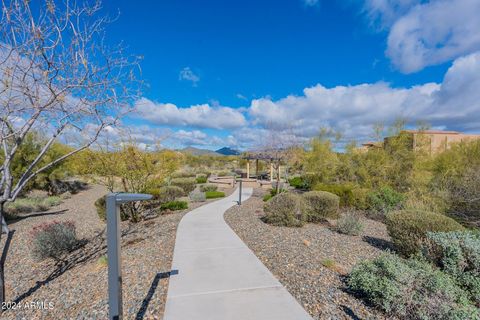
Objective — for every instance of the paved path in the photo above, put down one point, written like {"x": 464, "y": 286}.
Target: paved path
{"x": 219, "y": 277}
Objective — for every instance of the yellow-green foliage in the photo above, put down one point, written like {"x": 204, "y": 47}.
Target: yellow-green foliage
{"x": 408, "y": 228}
{"x": 285, "y": 209}
{"x": 457, "y": 176}
{"x": 321, "y": 205}
{"x": 321, "y": 159}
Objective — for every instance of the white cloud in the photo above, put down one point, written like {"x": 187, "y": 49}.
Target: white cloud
{"x": 188, "y": 75}
{"x": 200, "y": 116}
{"x": 383, "y": 13}
{"x": 425, "y": 33}
{"x": 455, "y": 104}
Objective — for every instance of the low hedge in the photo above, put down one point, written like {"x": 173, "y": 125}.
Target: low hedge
{"x": 174, "y": 205}
{"x": 285, "y": 209}
{"x": 208, "y": 187}
{"x": 201, "y": 179}
{"x": 166, "y": 193}
{"x": 408, "y": 228}
{"x": 321, "y": 205}
{"x": 214, "y": 194}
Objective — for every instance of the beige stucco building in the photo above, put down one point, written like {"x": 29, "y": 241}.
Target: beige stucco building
{"x": 435, "y": 141}
{"x": 432, "y": 141}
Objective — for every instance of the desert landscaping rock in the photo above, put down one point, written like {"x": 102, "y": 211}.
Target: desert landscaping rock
{"x": 295, "y": 257}
{"x": 78, "y": 286}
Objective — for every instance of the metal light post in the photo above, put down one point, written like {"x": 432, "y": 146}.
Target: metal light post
{"x": 113, "y": 201}
{"x": 240, "y": 193}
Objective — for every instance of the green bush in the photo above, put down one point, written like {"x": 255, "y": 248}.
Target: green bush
{"x": 350, "y": 223}
{"x": 187, "y": 184}
{"x": 201, "y": 179}
{"x": 458, "y": 255}
{"x": 408, "y": 228}
{"x": 343, "y": 191}
{"x": 410, "y": 289}
{"x": 52, "y": 239}
{"x": 267, "y": 197}
{"x": 214, "y": 194}
{"x": 174, "y": 205}
{"x": 321, "y": 205}
{"x": 285, "y": 209}
{"x": 197, "y": 196}
{"x": 101, "y": 206}
{"x": 384, "y": 200}
{"x": 299, "y": 183}
{"x": 208, "y": 187}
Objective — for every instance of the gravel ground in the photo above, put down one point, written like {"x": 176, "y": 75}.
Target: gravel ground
{"x": 77, "y": 286}
{"x": 295, "y": 256}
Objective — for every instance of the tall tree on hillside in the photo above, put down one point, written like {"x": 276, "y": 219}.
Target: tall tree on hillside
{"x": 58, "y": 77}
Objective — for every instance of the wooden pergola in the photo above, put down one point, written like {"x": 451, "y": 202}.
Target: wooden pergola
{"x": 264, "y": 156}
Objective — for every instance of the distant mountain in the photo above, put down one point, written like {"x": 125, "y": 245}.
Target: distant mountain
{"x": 226, "y": 151}
{"x": 199, "y": 152}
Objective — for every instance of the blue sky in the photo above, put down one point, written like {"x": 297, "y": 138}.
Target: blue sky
{"x": 226, "y": 72}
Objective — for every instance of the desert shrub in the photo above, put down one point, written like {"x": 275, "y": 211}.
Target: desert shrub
{"x": 350, "y": 223}
{"x": 197, "y": 196}
{"x": 299, "y": 183}
{"x": 285, "y": 209}
{"x": 408, "y": 228}
{"x": 456, "y": 172}
{"x": 201, "y": 179}
{"x": 214, "y": 194}
{"x": 384, "y": 200}
{"x": 457, "y": 254}
{"x": 31, "y": 204}
{"x": 187, "y": 184}
{"x": 273, "y": 192}
{"x": 360, "y": 198}
{"x": 166, "y": 193}
{"x": 183, "y": 174}
{"x": 174, "y": 205}
{"x": 101, "y": 206}
{"x": 208, "y": 187}
{"x": 410, "y": 289}
{"x": 321, "y": 205}
{"x": 51, "y": 240}
{"x": 343, "y": 191}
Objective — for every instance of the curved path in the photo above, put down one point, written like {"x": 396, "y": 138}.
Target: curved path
{"x": 215, "y": 276}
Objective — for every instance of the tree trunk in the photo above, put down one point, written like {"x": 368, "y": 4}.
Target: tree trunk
{"x": 6, "y": 247}
{"x": 2, "y": 262}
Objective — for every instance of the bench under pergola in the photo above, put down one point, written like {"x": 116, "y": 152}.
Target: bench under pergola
{"x": 263, "y": 156}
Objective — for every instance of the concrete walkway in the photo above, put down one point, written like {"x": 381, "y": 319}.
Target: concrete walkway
{"x": 219, "y": 277}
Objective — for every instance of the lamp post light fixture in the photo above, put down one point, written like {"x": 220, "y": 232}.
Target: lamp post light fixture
{"x": 113, "y": 202}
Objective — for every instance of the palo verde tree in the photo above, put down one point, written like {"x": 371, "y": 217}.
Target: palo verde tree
{"x": 58, "y": 77}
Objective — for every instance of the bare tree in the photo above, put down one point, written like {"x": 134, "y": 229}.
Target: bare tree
{"x": 58, "y": 77}
{"x": 278, "y": 146}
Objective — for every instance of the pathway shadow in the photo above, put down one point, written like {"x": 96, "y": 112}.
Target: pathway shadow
{"x": 349, "y": 312}
{"x": 378, "y": 243}
{"x": 37, "y": 214}
{"x": 151, "y": 292}
{"x": 86, "y": 251}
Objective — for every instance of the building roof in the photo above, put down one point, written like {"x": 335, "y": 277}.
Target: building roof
{"x": 431, "y": 131}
